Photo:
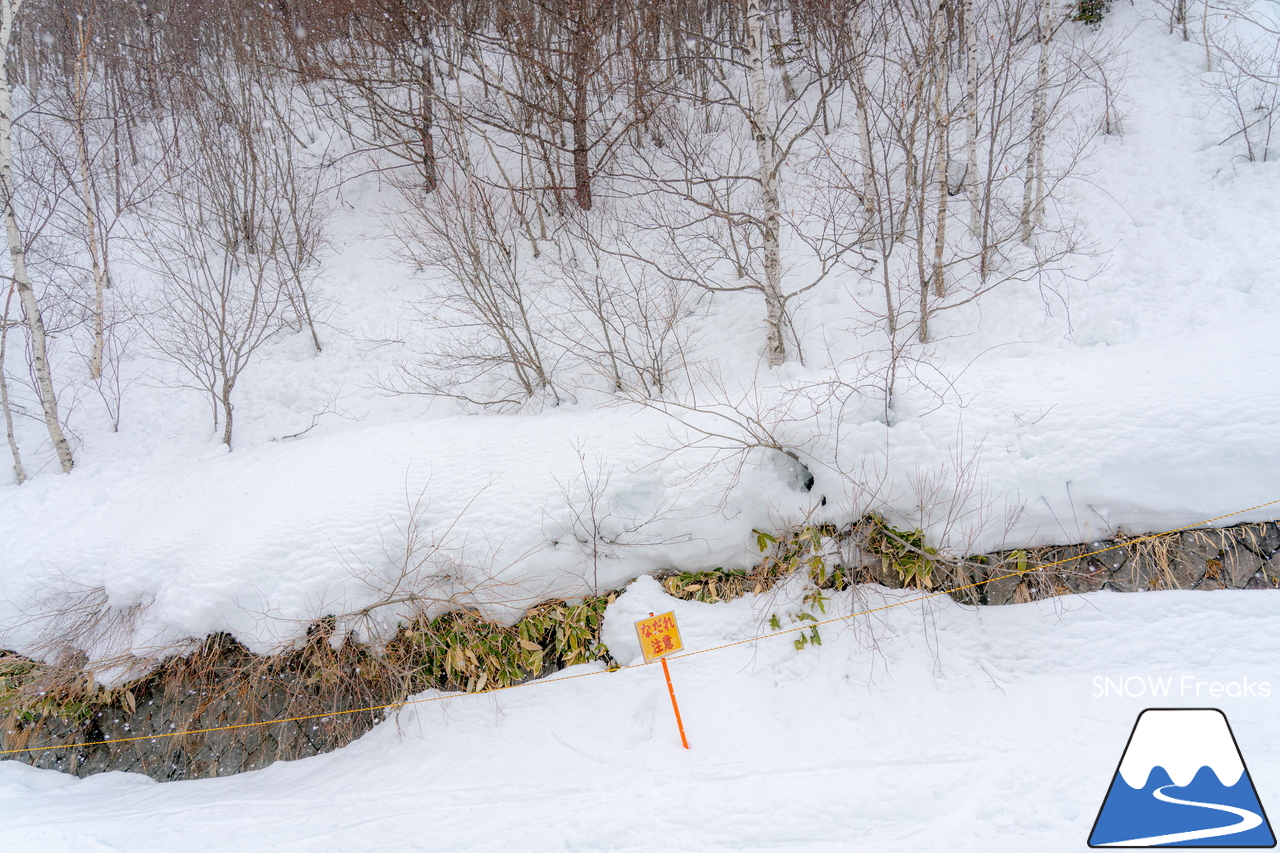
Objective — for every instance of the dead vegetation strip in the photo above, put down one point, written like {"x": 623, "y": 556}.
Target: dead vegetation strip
{"x": 220, "y": 682}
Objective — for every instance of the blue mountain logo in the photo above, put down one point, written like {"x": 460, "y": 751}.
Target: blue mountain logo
{"x": 1181, "y": 783}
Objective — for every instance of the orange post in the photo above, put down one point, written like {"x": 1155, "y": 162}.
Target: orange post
{"x": 659, "y": 636}
{"x": 674, "y": 706}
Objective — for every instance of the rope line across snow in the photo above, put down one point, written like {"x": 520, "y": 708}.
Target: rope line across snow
{"x": 781, "y": 633}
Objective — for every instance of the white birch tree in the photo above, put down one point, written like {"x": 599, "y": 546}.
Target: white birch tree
{"x": 17, "y": 252}
{"x": 1033, "y": 191}
{"x": 713, "y": 213}
{"x": 759, "y": 116}
{"x": 19, "y": 473}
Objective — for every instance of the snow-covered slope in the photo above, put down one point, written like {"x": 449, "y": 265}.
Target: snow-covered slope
{"x": 1140, "y": 398}
{"x": 947, "y": 730}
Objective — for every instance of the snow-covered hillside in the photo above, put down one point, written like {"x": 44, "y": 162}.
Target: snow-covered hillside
{"x": 1130, "y": 386}
{"x": 1138, "y": 395}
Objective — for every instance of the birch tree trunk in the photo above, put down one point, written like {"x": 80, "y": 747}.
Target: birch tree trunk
{"x": 972, "y": 187}
{"x": 80, "y": 108}
{"x": 1204, "y": 35}
{"x": 426, "y": 117}
{"x": 940, "y": 235}
{"x": 1033, "y": 189}
{"x": 858, "y": 83}
{"x": 771, "y": 218}
{"x": 17, "y": 255}
{"x": 19, "y": 474}
{"x": 942, "y": 131}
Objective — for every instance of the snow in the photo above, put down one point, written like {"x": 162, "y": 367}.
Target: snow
{"x": 1139, "y": 398}
{"x": 1139, "y": 395}
{"x": 258, "y": 540}
{"x": 938, "y": 727}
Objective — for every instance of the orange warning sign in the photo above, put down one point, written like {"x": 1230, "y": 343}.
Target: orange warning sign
{"x": 659, "y": 636}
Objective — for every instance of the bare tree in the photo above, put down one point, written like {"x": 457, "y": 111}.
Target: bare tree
{"x": 387, "y": 82}
{"x": 707, "y": 213}
{"x": 17, "y": 251}
{"x": 83, "y": 25}
{"x": 229, "y": 239}
{"x": 631, "y": 325}
{"x": 296, "y": 217}
{"x": 217, "y": 311}
{"x": 487, "y": 303}
{"x": 917, "y": 71}
{"x": 1246, "y": 76}
{"x": 553, "y": 81}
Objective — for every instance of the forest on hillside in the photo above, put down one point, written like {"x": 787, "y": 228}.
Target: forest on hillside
{"x": 578, "y": 180}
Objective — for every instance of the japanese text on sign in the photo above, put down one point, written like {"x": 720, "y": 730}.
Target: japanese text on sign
{"x": 659, "y": 636}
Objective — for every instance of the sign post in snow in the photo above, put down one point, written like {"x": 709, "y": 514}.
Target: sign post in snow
{"x": 659, "y": 637}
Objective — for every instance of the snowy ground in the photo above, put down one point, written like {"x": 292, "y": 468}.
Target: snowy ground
{"x": 967, "y": 730}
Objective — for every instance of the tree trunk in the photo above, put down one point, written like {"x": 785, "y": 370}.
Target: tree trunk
{"x": 19, "y": 474}
{"x": 762, "y": 132}
{"x": 1033, "y": 188}
{"x": 941, "y": 130}
{"x": 972, "y": 187}
{"x": 426, "y": 117}
{"x": 940, "y": 235}
{"x": 426, "y": 121}
{"x": 859, "y": 84}
{"x": 17, "y": 255}
{"x": 780, "y": 59}
{"x": 1204, "y": 34}
{"x": 89, "y": 198}
{"x": 225, "y": 400}
{"x": 581, "y": 144}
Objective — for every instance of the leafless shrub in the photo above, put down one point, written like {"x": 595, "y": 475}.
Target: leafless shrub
{"x": 1244, "y": 53}
{"x": 729, "y": 426}
{"x": 632, "y": 325}
{"x": 82, "y": 640}
{"x": 425, "y": 570}
{"x": 592, "y": 517}
{"x": 488, "y": 310}
{"x": 233, "y": 241}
